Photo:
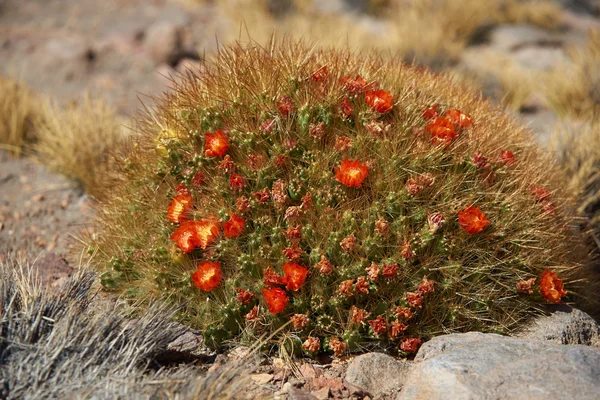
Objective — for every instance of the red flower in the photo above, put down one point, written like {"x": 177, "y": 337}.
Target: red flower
{"x": 346, "y": 107}
{"x": 294, "y": 275}
{"x": 276, "y": 299}
{"x": 472, "y": 220}
{"x": 320, "y": 74}
{"x": 208, "y": 276}
{"x": 551, "y": 287}
{"x": 285, "y": 106}
{"x": 540, "y": 193}
{"x": 354, "y": 86}
{"x": 431, "y": 113}
{"x": 244, "y": 296}
{"x": 233, "y": 227}
{"x": 397, "y": 328}
{"x": 236, "y": 182}
{"x": 410, "y": 345}
{"x": 179, "y": 208}
{"x": 390, "y": 271}
{"x": 415, "y": 300}
{"x": 507, "y": 157}
{"x": 192, "y": 234}
{"x": 351, "y": 173}
{"x": 300, "y": 321}
{"x": 380, "y": 101}
{"x": 525, "y": 286}
{"x": 425, "y": 286}
{"x": 412, "y": 186}
{"x": 324, "y": 266}
{"x": 441, "y": 130}
{"x": 271, "y": 278}
{"x": 459, "y": 119}
{"x": 216, "y": 144}
{"x": 306, "y": 201}
{"x": 379, "y": 325}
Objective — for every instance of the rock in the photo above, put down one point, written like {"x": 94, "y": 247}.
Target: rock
{"x": 322, "y": 394}
{"x": 513, "y": 37}
{"x": 261, "y": 379}
{"x": 591, "y": 7}
{"x": 163, "y": 40}
{"x": 539, "y": 58}
{"x": 377, "y": 373}
{"x": 489, "y": 366}
{"x": 565, "y": 325}
{"x": 299, "y": 394}
{"x": 189, "y": 342}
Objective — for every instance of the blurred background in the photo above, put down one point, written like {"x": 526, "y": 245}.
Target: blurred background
{"x": 72, "y": 72}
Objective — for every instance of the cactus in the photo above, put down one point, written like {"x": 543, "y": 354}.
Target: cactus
{"x": 354, "y": 202}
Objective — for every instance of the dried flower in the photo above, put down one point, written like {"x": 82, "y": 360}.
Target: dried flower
{"x": 380, "y": 100}
{"x": 236, "y": 182}
{"x": 316, "y": 130}
{"x": 267, "y": 126}
{"x": 358, "y": 315}
{"x": 320, "y": 74}
{"x": 346, "y": 107}
{"x": 234, "y": 227}
{"x": 412, "y": 186}
{"x": 324, "y": 266}
{"x": 441, "y": 130}
{"x": 459, "y": 119}
{"x": 242, "y": 204}
{"x": 540, "y": 193}
{"x": 404, "y": 313}
{"x": 198, "y": 179}
{"x": 294, "y": 212}
{"x": 255, "y": 161}
{"x": 180, "y": 208}
{"x": 192, "y": 234}
{"x": 354, "y": 85}
{"x": 472, "y": 220}
{"x": 216, "y": 144}
{"x": 410, "y": 345}
{"x": 551, "y": 287}
{"x": 208, "y": 276}
{"x": 293, "y": 253}
{"x": 415, "y": 300}
{"x": 293, "y": 234}
{"x": 244, "y": 296}
{"x": 312, "y": 344}
{"x": 381, "y": 226}
{"x": 276, "y": 299}
{"x": 343, "y": 143}
{"x": 397, "y": 328}
{"x": 379, "y": 325}
{"x": 436, "y": 222}
{"x": 362, "y": 285}
{"x": 262, "y": 196}
{"x": 507, "y": 157}
{"x": 390, "y": 271}
{"x": 430, "y": 113}
{"x": 345, "y": 288}
{"x": 299, "y": 321}
{"x": 272, "y": 278}
{"x": 226, "y": 164}
{"x": 252, "y": 315}
{"x": 351, "y": 173}
{"x": 279, "y": 192}
{"x": 294, "y": 275}
{"x": 285, "y": 106}
{"x": 373, "y": 271}
{"x": 480, "y": 161}
{"x": 526, "y": 286}
{"x": 337, "y": 346}
{"x": 348, "y": 243}
{"x": 425, "y": 286}
{"x": 306, "y": 201}
{"x": 407, "y": 252}
{"x": 377, "y": 128}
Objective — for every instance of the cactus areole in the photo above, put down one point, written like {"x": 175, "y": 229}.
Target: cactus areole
{"x": 360, "y": 202}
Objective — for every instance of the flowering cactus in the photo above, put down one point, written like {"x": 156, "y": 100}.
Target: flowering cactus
{"x": 354, "y": 202}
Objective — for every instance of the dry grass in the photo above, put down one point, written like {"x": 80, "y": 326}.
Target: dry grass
{"x": 20, "y": 111}
{"x": 78, "y": 140}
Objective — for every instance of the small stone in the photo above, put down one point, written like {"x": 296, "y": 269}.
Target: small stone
{"x": 261, "y": 379}
{"x": 299, "y": 394}
{"x": 309, "y": 371}
{"x": 163, "y": 40}
{"x": 322, "y": 394}
{"x": 377, "y": 373}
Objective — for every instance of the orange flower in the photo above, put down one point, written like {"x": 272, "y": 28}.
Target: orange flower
{"x": 415, "y": 300}
{"x": 236, "y": 182}
{"x": 551, "y": 287}
{"x": 233, "y": 227}
{"x": 271, "y": 278}
{"x": 425, "y": 286}
{"x": 526, "y": 286}
{"x": 346, "y": 107}
{"x": 208, "y": 276}
{"x": 410, "y": 345}
{"x": 324, "y": 266}
{"x": 216, "y": 144}
{"x": 380, "y": 101}
{"x": 459, "y": 119}
{"x": 441, "y": 130}
{"x": 180, "y": 208}
{"x": 507, "y": 157}
{"x": 431, "y": 113}
{"x": 337, "y": 346}
{"x": 351, "y": 173}
{"x": 472, "y": 220}
{"x": 276, "y": 299}
{"x": 354, "y": 86}
{"x": 379, "y": 325}
{"x": 312, "y": 344}
{"x": 397, "y": 328}
{"x": 294, "y": 275}
{"x": 244, "y": 296}
{"x": 192, "y": 234}
{"x": 285, "y": 106}
{"x": 300, "y": 321}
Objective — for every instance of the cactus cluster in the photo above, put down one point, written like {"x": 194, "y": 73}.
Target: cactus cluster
{"x": 352, "y": 201}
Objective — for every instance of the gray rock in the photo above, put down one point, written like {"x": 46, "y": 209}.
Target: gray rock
{"x": 489, "y": 366}
{"x": 377, "y": 373}
{"x": 513, "y": 37}
{"x": 565, "y": 325}
{"x": 591, "y": 7}
{"x": 163, "y": 41}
